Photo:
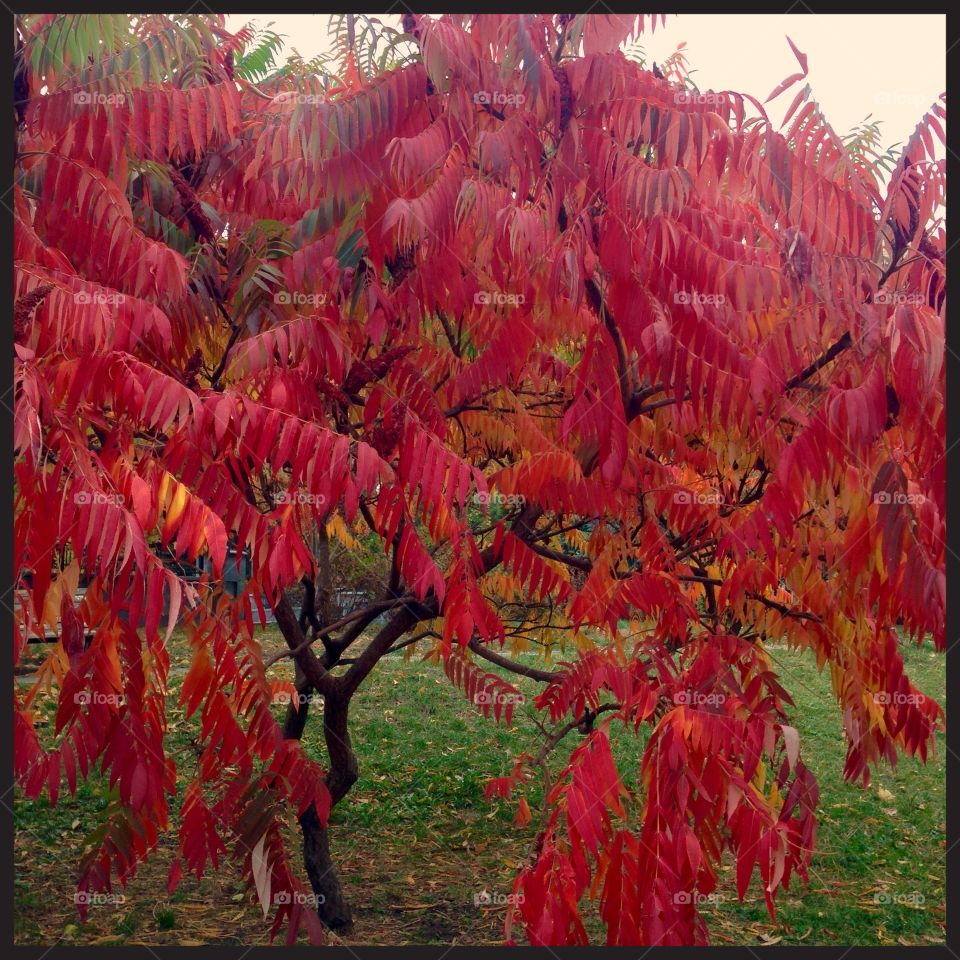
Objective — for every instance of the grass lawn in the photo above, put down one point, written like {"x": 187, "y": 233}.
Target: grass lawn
{"x": 417, "y": 843}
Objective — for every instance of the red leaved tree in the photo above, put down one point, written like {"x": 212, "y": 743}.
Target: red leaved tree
{"x": 592, "y": 354}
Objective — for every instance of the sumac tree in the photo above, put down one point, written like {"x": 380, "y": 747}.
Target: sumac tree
{"x": 598, "y": 359}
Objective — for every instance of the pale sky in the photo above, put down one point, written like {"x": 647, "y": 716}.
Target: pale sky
{"x": 892, "y": 66}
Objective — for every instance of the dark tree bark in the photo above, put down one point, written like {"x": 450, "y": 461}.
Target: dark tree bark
{"x": 312, "y": 676}
{"x": 332, "y": 906}
{"x": 331, "y": 903}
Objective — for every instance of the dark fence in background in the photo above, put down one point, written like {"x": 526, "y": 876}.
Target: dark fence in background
{"x": 236, "y": 575}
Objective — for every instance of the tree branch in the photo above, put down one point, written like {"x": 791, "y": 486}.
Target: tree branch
{"x": 805, "y": 374}
{"x": 313, "y": 670}
{"x": 372, "y": 609}
{"x": 546, "y": 676}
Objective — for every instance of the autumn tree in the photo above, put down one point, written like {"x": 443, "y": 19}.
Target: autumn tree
{"x": 609, "y": 367}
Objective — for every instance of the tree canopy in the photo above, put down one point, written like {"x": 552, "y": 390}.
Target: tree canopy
{"x": 608, "y": 367}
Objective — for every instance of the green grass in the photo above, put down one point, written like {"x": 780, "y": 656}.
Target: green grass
{"x": 878, "y": 874}
{"x": 416, "y": 841}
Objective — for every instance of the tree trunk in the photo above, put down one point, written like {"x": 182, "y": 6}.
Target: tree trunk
{"x": 332, "y": 907}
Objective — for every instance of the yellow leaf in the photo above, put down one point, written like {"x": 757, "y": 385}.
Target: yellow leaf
{"x": 177, "y": 504}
